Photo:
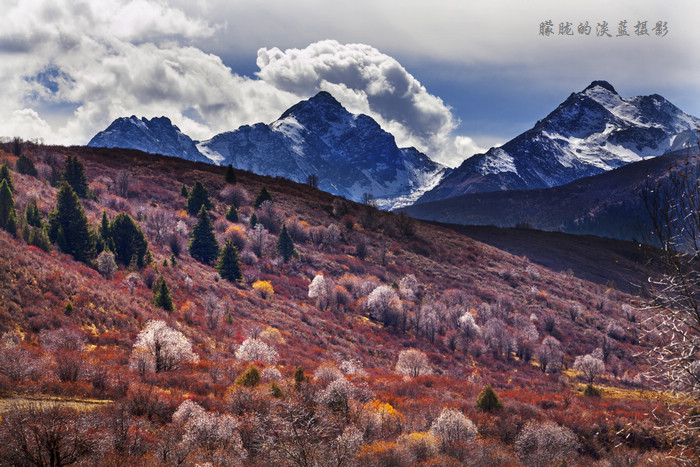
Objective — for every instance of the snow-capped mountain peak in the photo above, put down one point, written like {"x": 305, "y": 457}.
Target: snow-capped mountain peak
{"x": 157, "y": 136}
{"x": 592, "y": 131}
{"x": 350, "y": 154}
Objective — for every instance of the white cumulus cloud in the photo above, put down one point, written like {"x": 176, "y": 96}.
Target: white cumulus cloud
{"x": 368, "y": 81}
{"x": 70, "y": 68}
{"x": 79, "y": 66}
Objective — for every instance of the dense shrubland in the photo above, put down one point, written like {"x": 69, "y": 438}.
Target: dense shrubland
{"x": 322, "y": 332}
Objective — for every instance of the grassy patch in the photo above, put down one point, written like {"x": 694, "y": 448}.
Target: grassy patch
{"x": 8, "y": 401}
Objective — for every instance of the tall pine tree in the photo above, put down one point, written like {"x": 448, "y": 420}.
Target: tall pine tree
{"x": 25, "y": 165}
{"x": 5, "y": 175}
{"x": 199, "y": 196}
{"x": 285, "y": 245}
{"x": 126, "y": 240}
{"x": 229, "y": 266}
{"x": 74, "y": 175}
{"x": 263, "y": 196}
{"x": 32, "y": 214}
{"x": 230, "y": 175}
{"x": 232, "y": 214}
{"x": 203, "y": 245}
{"x": 104, "y": 232}
{"x": 8, "y": 214}
{"x": 68, "y": 226}
{"x": 161, "y": 295}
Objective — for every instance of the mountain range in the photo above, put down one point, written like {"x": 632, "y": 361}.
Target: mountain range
{"x": 591, "y": 132}
{"x": 350, "y": 154}
{"x": 606, "y": 205}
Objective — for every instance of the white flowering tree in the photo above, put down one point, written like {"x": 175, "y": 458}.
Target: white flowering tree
{"x": 410, "y": 288}
{"x": 161, "y": 348}
{"x": 468, "y": 329}
{"x": 322, "y": 289}
{"x": 452, "y": 426}
{"x": 384, "y": 305}
{"x": 327, "y": 373}
{"x": 412, "y": 362}
{"x": 550, "y": 355}
{"x": 213, "y": 437}
{"x": 545, "y": 444}
{"x": 525, "y": 336}
{"x": 590, "y": 366}
{"x": 255, "y": 350}
{"x": 498, "y": 338}
{"x": 106, "y": 265}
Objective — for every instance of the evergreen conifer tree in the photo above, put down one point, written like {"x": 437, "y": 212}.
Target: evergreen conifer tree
{"x": 38, "y": 238}
{"x": 230, "y": 175}
{"x": 74, "y": 174}
{"x": 285, "y": 245}
{"x": 32, "y": 214}
{"x": 104, "y": 232}
{"x": 25, "y": 165}
{"x": 68, "y": 226}
{"x": 199, "y": 196}
{"x": 263, "y": 196}
{"x": 5, "y": 175}
{"x": 203, "y": 245}
{"x": 126, "y": 240}
{"x": 300, "y": 378}
{"x": 161, "y": 295}
{"x": 232, "y": 214}
{"x": 249, "y": 378}
{"x": 253, "y": 220}
{"x": 17, "y": 145}
{"x": 8, "y": 214}
{"x": 104, "y": 226}
{"x": 183, "y": 191}
{"x": 488, "y": 400}
{"x": 103, "y": 238}
{"x": 229, "y": 266}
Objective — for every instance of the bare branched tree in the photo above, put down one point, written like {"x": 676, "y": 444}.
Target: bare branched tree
{"x": 160, "y": 223}
{"x": 122, "y": 181}
{"x": 673, "y": 208}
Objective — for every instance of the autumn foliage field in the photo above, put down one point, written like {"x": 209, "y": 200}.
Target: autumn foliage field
{"x": 380, "y": 340}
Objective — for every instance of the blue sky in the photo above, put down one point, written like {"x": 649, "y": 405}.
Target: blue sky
{"x": 452, "y": 78}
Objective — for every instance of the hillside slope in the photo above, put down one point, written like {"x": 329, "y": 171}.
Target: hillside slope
{"x": 329, "y": 329}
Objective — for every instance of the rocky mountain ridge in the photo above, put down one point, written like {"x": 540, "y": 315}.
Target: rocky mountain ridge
{"x": 591, "y": 132}
{"x": 350, "y": 154}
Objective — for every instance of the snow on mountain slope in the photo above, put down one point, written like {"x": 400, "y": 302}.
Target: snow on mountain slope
{"x": 593, "y": 131}
{"x": 157, "y": 136}
{"x": 350, "y": 154}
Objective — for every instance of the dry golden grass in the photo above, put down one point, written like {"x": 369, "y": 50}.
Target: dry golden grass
{"x": 9, "y": 401}
{"x": 613, "y": 392}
